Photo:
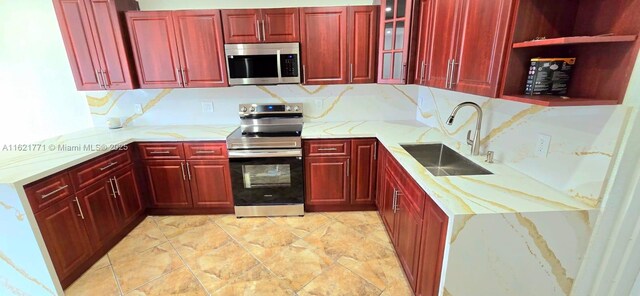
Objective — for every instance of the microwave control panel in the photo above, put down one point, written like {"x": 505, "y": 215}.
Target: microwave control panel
{"x": 289, "y": 65}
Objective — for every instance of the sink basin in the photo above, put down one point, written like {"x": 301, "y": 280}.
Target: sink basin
{"x": 441, "y": 160}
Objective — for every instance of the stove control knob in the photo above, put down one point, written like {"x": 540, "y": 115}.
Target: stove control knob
{"x": 296, "y": 109}
{"x": 288, "y": 108}
{"x": 253, "y": 109}
{"x": 243, "y": 109}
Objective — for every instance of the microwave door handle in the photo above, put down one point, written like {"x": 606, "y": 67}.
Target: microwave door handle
{"x": 279, "y": 66}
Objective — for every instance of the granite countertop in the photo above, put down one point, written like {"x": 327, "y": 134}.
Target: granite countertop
{"x": 506, "y": 191}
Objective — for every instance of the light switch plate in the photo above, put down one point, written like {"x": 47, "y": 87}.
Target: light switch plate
{"x": 542, "y": 145}
{"x": 137, "y": 108}
{"x": 207, "y": 107}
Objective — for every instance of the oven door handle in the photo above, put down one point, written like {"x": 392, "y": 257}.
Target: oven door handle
{"x": 265, "y": 153}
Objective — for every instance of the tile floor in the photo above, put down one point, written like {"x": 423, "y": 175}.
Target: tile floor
{"x": 347, "y": 253}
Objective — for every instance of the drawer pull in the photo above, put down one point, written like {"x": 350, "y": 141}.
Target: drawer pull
{"x": 160, "y": 152}
{"x": 55, "y": 191}
{"x": 206, "y": 152}
{"x": 328, "y": 149}
{"x": 79, "y": 208}
{"x": 109, "y": 165}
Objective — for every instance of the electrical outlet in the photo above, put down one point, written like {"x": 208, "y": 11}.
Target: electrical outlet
{"x": 542, "y": 145}
{"x": 318, "y": 104}
{"x": 137, "y": 108}
{"x": 207, "y": 107}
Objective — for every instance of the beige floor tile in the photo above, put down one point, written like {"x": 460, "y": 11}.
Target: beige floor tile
{"x": 144, "y": 237}
{"x": 146, "y": 266}
{"x": 98, "y": 281}
{"x": 374, "y": 231}
{"x": 239, "y": 227}
{"x": 216, "y": 267}
{"x": 302, "y": 226}
{"x": 333, "y": 215}
{"x": 177, "y": 282}
{"x": 257, "y": 281}
{"x": 359, "y": 218}
{"x": 103, "y": 262}
{"x": 175, "y": 225}
{"x": 267, "y": 240}
{"x": 299, "y": 264}
{"x": 382, "y": 273}
{"x": 200, "y": 239}
{"x": 335, "y": 239}
{"x": 338, "y": 280}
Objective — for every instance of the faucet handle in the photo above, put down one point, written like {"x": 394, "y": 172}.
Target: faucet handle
{"x": 469, "y": 141}
{"x": 489, "y": 157}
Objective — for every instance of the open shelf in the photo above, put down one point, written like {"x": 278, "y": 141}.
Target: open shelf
{"x": 559, "y": 101}
{"x": 576, "y": 40}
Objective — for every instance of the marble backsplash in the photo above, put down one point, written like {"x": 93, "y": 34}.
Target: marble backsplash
{"x": 584, "y": 140}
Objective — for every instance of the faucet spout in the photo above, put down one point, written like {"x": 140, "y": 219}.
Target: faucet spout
{"x": 475, "y": 143}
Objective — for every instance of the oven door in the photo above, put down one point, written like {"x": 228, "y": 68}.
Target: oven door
{"x": 267, "y": 177}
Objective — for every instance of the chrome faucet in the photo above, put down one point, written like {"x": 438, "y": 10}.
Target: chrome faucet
{"x": 475, "y": 143}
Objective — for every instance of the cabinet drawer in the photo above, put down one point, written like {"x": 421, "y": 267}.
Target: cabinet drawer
{"x": 100, "y": 167}
{"x": 164, "y": 151}
{"x": 45, "y": 192}
{"x": 410, "y": 189}
{"x": 327, "y": 148}
{"x": 209, "y": 150}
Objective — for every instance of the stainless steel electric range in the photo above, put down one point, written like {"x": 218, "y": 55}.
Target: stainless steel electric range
{"x": 265, "y": 155}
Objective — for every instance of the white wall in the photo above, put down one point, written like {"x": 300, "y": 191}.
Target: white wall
{"x": 209, "y": 4}
{"x": 39, "y": 98}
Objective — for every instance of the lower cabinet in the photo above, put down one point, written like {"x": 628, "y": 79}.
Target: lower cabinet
{"x": 129, "y": 199}
{"x": 168, "y": 185}
{"x": 210, "y": 183}
{"x": 340, "y": 174}
{"x": 63, "y": 231}
{"x": 434, "y": 233}
{"x": 100, "y": 212}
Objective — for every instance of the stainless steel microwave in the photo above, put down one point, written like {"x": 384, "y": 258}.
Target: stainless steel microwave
{"x": 263, "y": 63}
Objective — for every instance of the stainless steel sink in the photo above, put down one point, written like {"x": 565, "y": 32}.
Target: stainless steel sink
{"x": 441, "y": 160}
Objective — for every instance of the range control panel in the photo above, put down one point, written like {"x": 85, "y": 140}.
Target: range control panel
{"x": 247, "y": 109}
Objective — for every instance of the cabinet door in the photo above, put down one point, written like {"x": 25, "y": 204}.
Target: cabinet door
{"x": 78, "y": 41}
{"x": 363, "y": 171}
{"x": 380, "y": 165}
{"x": 442, "y": 41}
{"x": 241, "y": 25}
{"x": 99, "y": 205}
{"x": 408, "y": 244}
{"x": 110, "y": 44}
{"x": 323, "y": 32}
{"x": 210, "y": 183}
{"x": 480, "y": 53}
{"x": 434, "y": 232}
{"x": 281, "y": 25}
{"x": 168, "y": 184}
{"x": 394, "y": 40}
{"x": 363, "y": 32}
{"x": 154, "y": 48}
{"x": 424, "y": 39}
{"x": 388, "y": 196}
{"x": 200, "y": 48}
{"x": 327, "y": 180}
{"x": 129, "y": 200}
{"x": 64, "y": 234}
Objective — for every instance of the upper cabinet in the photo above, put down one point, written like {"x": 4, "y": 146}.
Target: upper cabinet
{"x": 93, "y": 37}
{"x": 395, "y": 29}
{"x": 178, "y": 49}
{"x": 338, "y": 44}
{"x": 453, "y": 53}
{"x": 261, "y": 25}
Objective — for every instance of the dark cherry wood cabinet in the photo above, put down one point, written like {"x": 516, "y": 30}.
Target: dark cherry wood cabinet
{"x": 64, "y": 234}
{"x": 168, "y": 184}
{"x": 100, "y": 210}
{"x": 395, "y": 32}
{"x": 98, "y": 53}
{"x": 409, "y": 226}
{"x": 434, "y": 233}
{"x": 440, "y": 42}
{"x": 210, "y": 183}
{"x": 340, "y": 174}
{"x": 261, "y": 25}
{"x": 128, "y": 191}
{"x": 387, "y": 203}
{"x": 178, "y": 49}
{"x": 362, "y": 40}
{"x": 425, "y": 12}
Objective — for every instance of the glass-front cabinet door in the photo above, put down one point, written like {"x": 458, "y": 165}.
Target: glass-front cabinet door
{"x": 394, "y": 41}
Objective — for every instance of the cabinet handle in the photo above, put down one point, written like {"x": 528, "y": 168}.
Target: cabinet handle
{"x": 206, "y": 152}
{"x": 264, "y": 34}
{"x": 348, "y": 166}
{"x": 189, "y": 171}
{"x": 350, "y": 73}
{"x": 402, "y": 71}
{"x": 113, "y": 189}
{"x": 258, "y": 30}
{"x": 422, "y": 71}
{"x": 108, "y": 166}
{"x": 375, "y": 150}
{"x": 184, "y": 77}
{"x": 327, "y": 149}
{"x": 446, "y": 80}
{"x": 304, "y": 74}
{"x": 79, "y": 208}
{"x": 115, "y": 181}
{"x": 395, "y": 198}
{"x": 54, "y": 192}
{"x": 104, "y": 79}
{"x": 160, "y": 152}
{"x": 184, "y": 176}
{"x": 179, "y": 77}
{"x": 453, "y": 71}
{"x": 99, "y": 78}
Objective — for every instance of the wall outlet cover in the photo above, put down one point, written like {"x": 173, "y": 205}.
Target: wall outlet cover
{"x": 542, "y": 145}
{"x": 207, "y": 107}
{"x": 137, "y": 108}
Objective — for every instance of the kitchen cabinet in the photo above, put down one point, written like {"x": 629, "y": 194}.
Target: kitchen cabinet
{"x": 100, "y": 212}
{"x": 395, "y": 32}
{"x": 174, "y": 49}
{"x": 338, "y": 44}
{"x": 434, "y": 233}
{"x": 64, "y": 234}
{"x": 183, "y": 177}
{"x": 423, "y": 42}
{"x": 458, "y": 56}
{"x": 97, "y": 51}
{"x": 340, "y": 174}
{"x": 128, "y": 194}
{"x": 261, "y": 25}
